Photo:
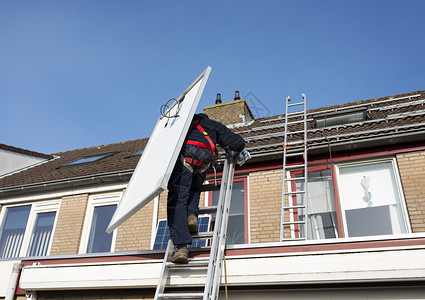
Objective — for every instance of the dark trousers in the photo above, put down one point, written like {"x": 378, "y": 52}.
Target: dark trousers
{"x": 183, "y": 196}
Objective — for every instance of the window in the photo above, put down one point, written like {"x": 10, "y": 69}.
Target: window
{"x": 13, "y": 230}
{"x": 371, "y": 199}
{"x": 237, "y": 228}
{"x": 87, "y": 159}
{"x": 100, "y": 210}
{"x": 163, "y": 233}
{"x": 27, "y": 229}
{"x": 42, "y": 233}
{"x": 361, "y": 199}
{"x": 322, "y": 219}
{"x": 99, "y": 240}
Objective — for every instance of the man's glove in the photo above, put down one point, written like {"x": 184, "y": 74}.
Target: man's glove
{"x": 243, "y": 157}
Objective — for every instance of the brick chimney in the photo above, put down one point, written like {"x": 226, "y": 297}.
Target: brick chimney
{"x": 232, "y": 113}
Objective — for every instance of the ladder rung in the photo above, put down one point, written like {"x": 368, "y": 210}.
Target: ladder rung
{"x": 295, "y": 122}
{"x": 292, "y": 239}
{"x": 294, "y": 166}
{"x": 210, "y": 187}
{"x": 181, "y": 296}
{"x": 294, "y": 154}
{"x": 295, "y": 132}
{"x": 295, "y": 192}
{"x": 295, "y": 104}
{"x": 293, "y": 222}
{"x": 293, "y": 207}
{"x": 190, "y": 264}
{"x": 295, "y": 113}
{"x": 297, "y": 145}
{"x": 203, "y": 235}
{"x": 207, "y": 210}
{"x": 295, "y": 178}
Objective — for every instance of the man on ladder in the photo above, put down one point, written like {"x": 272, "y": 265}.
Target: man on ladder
{"x": 184, "y": 187}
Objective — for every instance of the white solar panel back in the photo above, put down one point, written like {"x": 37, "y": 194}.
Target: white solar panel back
{"x": 154, "y": 168}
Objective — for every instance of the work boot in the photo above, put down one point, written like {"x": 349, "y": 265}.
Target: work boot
{"x": 192, "y": 223}
{"x": 180, "y": 256}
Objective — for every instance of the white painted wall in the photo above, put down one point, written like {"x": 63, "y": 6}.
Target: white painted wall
{"x": 399, "y": 293}
{"x": 5, "y": 273}
{"x": 343, "y": 266}
{"x": 12, "y": 161}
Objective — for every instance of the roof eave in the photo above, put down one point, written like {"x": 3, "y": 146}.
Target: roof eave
{"x": 104, "y": 178}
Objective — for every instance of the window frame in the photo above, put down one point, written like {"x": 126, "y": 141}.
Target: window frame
{"x": 399, "y": 187}
{"x": 93, "y": 202}
{"x": 246, "y": 206}
{"x": 36, "y": 208}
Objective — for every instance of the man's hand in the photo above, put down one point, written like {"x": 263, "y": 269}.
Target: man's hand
{"x": 243, "y": 157}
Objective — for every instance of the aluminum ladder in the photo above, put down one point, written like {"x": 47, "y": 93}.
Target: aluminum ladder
{"x": 294, "y": 213}
{"x": 214, "y": 263}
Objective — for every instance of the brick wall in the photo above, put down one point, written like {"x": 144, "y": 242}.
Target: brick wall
{"x": 412, "y": 173}
{"x": 135, "y": 233}
{"x": 66, "y": 239}
{"x": 265, "y": 193}
{"x": 233, "y": 112}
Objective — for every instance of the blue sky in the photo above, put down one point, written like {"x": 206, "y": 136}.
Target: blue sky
{"x": 77, "y": 74}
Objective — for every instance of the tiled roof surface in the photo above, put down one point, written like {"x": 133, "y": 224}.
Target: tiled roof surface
{"x": 400, "y": 113}
{"x": 389, "y": 115}
{"x": 51, "y": 170}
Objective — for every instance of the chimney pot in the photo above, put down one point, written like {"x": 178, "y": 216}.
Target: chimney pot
{"x": 237, "y": 96}
{"x": 218, "y": 99}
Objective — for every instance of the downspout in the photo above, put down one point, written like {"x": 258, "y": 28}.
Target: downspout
{"x": 13, "y": 282}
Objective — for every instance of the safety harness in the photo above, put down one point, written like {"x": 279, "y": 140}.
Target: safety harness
{"x": 190, "y": 162}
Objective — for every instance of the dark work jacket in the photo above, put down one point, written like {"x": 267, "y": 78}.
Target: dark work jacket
{"x": 218, "y": 133}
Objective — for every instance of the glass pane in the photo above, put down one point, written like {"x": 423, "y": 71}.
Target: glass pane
{"x": 322, "y": 222}
{"x": 237, "y": 204}
{"x": 41, "y": 235}
{"x": 370, "y": 198}
{"x": 236, "y": 230}
{"x": 86, "y": 159}
{"x": 13, "y": 230}
{"x": 99, "y": 240}
{"x": 236, "y": 225}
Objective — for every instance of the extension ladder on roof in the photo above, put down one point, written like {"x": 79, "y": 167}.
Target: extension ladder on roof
{"x": 212, "y": 265}
{"x": 294, "y": 213}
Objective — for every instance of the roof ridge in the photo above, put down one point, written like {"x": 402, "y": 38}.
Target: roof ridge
{"x": 25, "y": 151}
{"x": 104, "y": 145}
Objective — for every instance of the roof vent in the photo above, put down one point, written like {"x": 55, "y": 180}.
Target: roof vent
{"x": 237, "y": 96}
{"x": 218, "y": 99}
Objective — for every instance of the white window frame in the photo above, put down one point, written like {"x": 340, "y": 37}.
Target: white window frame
{"x": 398, "y": 183}
{"x": 93, "y": 202}
{"x": 36, "y": 208}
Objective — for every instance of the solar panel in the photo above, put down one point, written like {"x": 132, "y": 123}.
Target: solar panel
{"x": 163, "y": 233}
{"x": 154, "y": 169}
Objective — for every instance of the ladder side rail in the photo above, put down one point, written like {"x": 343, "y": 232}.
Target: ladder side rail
{"x": 223, "y": 233}
{"x": 306, "y": 228}
{"x": 217, "y": 225}
{"x": 164, "y": 270}
{"x": 282, "y": 215}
